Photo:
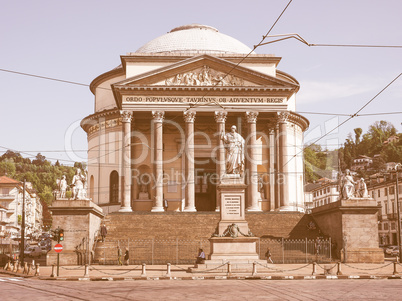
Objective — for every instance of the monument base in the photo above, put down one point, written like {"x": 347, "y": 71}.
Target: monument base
{"x": 352, "y": 225}
{"x": 232, "y": 249}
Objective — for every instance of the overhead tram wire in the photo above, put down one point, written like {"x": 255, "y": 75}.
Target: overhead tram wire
{"x": 297, "y": 37}
{"x": 352, "y": 116}
{"x": 230, "y": 71}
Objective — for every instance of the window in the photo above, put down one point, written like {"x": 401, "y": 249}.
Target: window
{"x": 373, "y": 194}
{"x": 392, "y": 190}
{"x": 5, "y": 191}
{"x": 379, "y": 194}
{"x": 379, "y": 226}
{"x": 385, "y": 226}
{"x": 393, "y": 206}
{"x": 386, "y": 208}
{"x": 385, "y": 191}
{"x": 114, "y": 187}
{"x": 392, "y": 226}
{"x": 328, "y": 190}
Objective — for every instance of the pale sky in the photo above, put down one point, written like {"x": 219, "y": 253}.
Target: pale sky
{"x": 79, "y": 40}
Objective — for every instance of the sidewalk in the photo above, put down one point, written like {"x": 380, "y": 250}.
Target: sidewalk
{"x": 179, "y": 272}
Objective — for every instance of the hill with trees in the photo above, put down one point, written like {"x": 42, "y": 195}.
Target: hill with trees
{"x": 381, "y": 139}
{"x": 40, "y": 172}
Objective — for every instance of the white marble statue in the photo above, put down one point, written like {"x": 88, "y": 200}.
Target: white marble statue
{"x": 63, "y": 187}
{"x": 362, "y": 189}
{"x": 347, "y": 186}
{"x": 234, "y": 144}
{"x": 78, "y": 184}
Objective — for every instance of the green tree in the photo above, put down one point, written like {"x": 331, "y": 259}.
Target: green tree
{"x": 7, "y": 168}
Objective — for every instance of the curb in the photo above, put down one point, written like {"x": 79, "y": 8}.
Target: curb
{"x": 318, "y": 277}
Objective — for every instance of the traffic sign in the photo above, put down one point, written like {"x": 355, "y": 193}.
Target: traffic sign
{"x": 58, "y": 248}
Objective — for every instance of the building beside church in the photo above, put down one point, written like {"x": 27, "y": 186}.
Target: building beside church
{"x": 155, "y": 140}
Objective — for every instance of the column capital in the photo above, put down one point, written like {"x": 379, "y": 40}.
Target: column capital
{"x": 271, "y": 125}
{"x": 189, "y": 116}
{"x": 126, "y": 116}
{"x": 283, "y": 116}
{"x": 220, "y": 116}
{"x": 251, "y": 116}
{"x": 158, "y": 116}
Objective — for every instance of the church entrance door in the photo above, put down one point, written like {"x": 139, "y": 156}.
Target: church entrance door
{"x": 205, "y": 184}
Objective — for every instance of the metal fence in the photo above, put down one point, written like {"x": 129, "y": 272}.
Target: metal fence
{"x": 296, "y": 250}
{"x": 179, "y": 251}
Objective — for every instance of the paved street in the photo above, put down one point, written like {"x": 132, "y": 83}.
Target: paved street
{"x": 32, "y": 289}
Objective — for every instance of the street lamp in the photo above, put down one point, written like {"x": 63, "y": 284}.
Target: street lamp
{"x": 398, "y": 209}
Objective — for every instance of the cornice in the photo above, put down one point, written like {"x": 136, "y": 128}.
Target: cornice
{"x": 299, "y": 120}
{"x": 92, "y": 119}
{"x": 105, "y": 76}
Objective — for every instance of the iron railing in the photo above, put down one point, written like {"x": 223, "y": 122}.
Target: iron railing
{"x": 181, "y": 251}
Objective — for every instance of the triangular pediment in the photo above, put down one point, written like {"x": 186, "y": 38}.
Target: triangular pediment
{"x": 206, "y": 71}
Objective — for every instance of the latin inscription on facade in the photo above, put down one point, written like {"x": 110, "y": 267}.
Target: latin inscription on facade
{"x": 185, "y": 99}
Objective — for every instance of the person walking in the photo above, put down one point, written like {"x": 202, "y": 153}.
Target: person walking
{"x": 103, "y": 232}
{"x": 268, "y": 256}
{"x": 119, "y": 256}
{"x": 126, "y": 257}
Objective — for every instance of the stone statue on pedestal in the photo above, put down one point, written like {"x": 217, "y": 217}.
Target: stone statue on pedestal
{"x": 63, "y": 187}
{"x": 234, "y": 144}
{"x": 78, "y": 184}
{"x": 346, "y": 186}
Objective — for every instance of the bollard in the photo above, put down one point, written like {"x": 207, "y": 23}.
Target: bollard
{"x": 53, "y": 271}
{"x": 25, "y": 271}
{"x": 143, "y": 272}
{"x": 168, "y": 274}
{"x": 15, "y": 267}
{"x": 7, "y": 266}
{"x": 86, "y": 273}
{"x": 37, "y": 270}
{"x": 229, "y": 268}
{"x": 395, "y": 271}
{"x": 254, "y": 269}
{"x": 339, "y": 272}
{"x": 314, "y": 269}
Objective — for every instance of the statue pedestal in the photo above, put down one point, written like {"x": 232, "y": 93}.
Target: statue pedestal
{"x": 239, "y": 246}
{"x": 80, "y": 220}
{"x": 352, "y": 225}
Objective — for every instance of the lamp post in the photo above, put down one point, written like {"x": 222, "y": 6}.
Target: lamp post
{"x": 22, "y": 246}
{"x": 398, "y": 229}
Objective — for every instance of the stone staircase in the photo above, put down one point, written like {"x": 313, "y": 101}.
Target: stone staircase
{"x": 157, "y": 238}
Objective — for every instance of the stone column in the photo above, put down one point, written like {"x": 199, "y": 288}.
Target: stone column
{"x": 271, "y": 165}
{"x": 189, "y": 117}
{"x": 220, "y": 118}
{"x": 126, "y": 117}
{"x": 158, "y": 117}
{"x": 283, "y": 161}
{"x": 253, "y": 193}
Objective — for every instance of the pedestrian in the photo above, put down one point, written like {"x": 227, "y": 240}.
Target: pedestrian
{"x": 200, "y": 257}
{"x": 103, "y": 232}
{"x": 126, "y": 257}
{"x": 268, "y": 256}
{"x": 165, "y": 204}
{"x": 119, "y": 256}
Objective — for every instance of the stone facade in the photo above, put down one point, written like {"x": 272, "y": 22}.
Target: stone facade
{"x": 158, "y": 117}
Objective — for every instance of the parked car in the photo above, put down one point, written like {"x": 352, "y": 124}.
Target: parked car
{"x": 391, "y": 250}
{"x": 33, "y": 252}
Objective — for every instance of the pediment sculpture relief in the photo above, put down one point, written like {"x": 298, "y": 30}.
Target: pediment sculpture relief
{"x": 204, "y": 77}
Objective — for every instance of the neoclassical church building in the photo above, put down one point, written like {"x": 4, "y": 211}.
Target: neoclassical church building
{"x": 155, "y": 140}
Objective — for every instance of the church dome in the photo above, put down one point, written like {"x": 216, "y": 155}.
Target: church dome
{"x": 193, "y": 39}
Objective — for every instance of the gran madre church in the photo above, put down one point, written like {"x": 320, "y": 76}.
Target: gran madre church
{"x": 156, "y": 138}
